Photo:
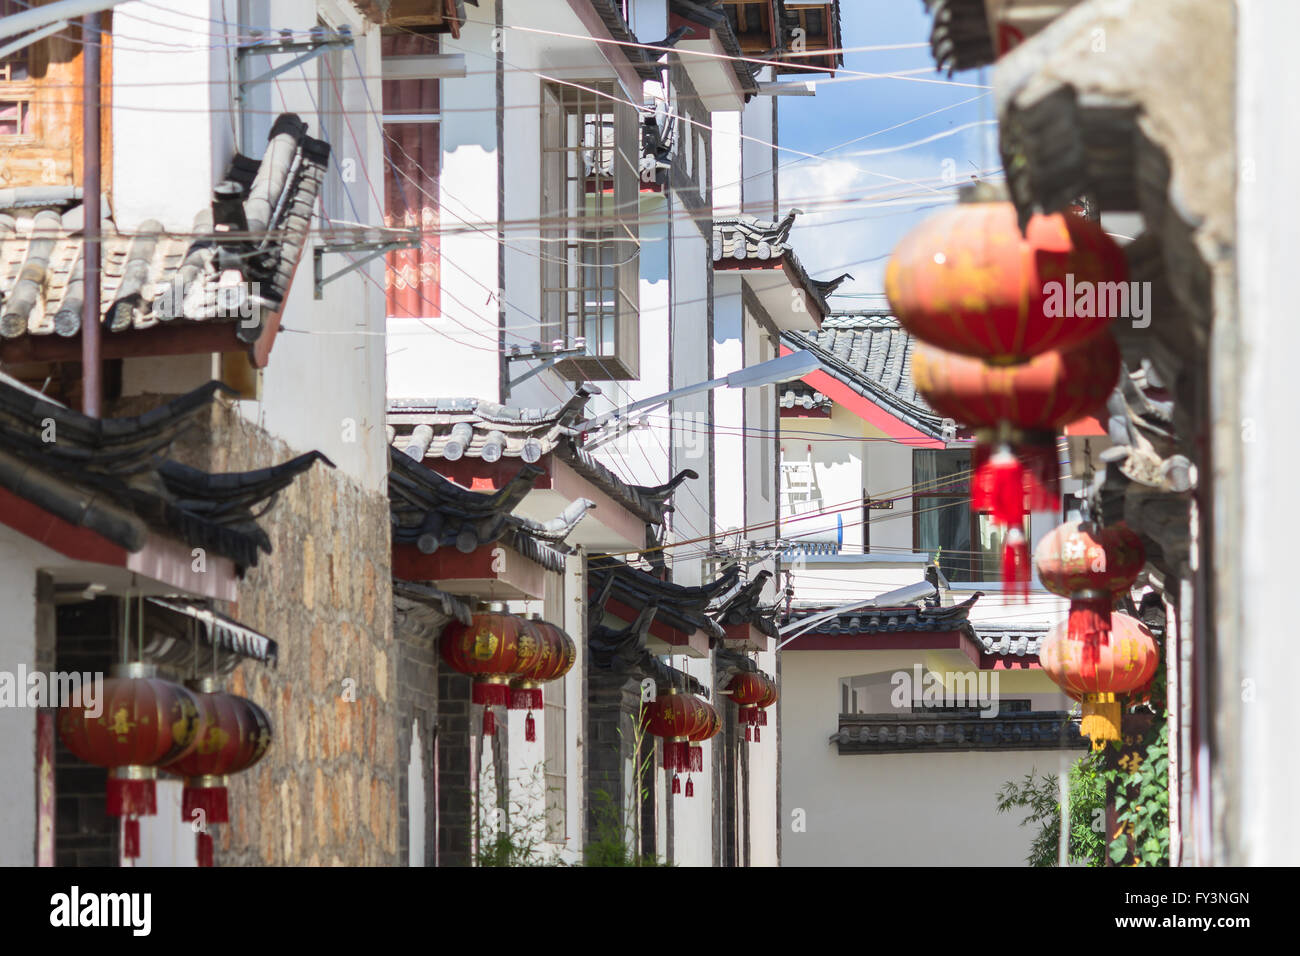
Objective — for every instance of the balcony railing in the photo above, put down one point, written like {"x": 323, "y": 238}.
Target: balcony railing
{"x": 950, "y": 732}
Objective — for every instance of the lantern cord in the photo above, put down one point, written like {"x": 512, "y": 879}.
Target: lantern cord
{"x": 139, "y": 647}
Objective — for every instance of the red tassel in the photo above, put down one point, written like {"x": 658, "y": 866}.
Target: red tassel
{"x": 530, "y": 728}
{"x": 762, "y": 717}
{"x": 697, "y": 759}
{"x": 211, "y": 800}
{"x": 131, "y": 839}
{"x": 999, "y": 487}
{"x": 677, "y": 755}
{"x": 131, "y": 798}
{"x": 204, "y": 851}
{"x": 756, "y": 735}
{"x": 1089, "y": 622}
{"x": 489, "y": 722}
{"x": 690, "y": 788}
{"x": 491, "y": 695}
{"x": 1042, "y": 474}
{"x": 677, "y": 784}
{"x": 1015, "y": 564}
{"x": 526, "y": 698}
{"x": 749, "y": 732}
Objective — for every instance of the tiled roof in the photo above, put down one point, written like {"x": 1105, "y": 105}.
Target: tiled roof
{"x": 685, "y": 608}
{"x": 940, "y": 733}
{"x": 742, "y": 606}
{"x": 171, "y": 638}
{"x": 1010, "y": 640}
{"x": 453, "y": 428}
{"x": 908, "y": 617}
{"x": 798, "y": 395}
{"x": 872, "y": 354}
{"x": 431, "y": 512}
{"x": 152, "y": 277}
{"x": 107, "y": 475}
{"x": 738, "y": 239}
{"x": 642, "y": 60}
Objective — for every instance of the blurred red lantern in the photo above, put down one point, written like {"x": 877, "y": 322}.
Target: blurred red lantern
{"x": 144, "y": 722}
{"x": 675, "y": 717}
{"x": 234, "y": 734}
{"x": 493, "y": 649}
{"x": 1091, "y": 566}
{"x": 1016, "y": 411}
{"x": 709, "y": 728}
{"x": 1096, "y": 668}
{"x": 555, "y": 656}
{"x": 968, "y": 281}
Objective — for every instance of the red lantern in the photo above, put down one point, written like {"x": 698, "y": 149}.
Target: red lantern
{"x": 968, "y": 281}
{"x": 710, "y": 726}
{"x": 234, "y": 733}
{"x": 492, "y": 649}
{"x": 675, "y": 717}
{"x": 752, "y": 692}
{"x": 1095, "y": 671}
{"x": 1090, "y": 566}
{"x": 555, "y": 657}
{"x": 144, "y": 722}
{"x": 1016, "y": 411}
{"x": 760, "y": 715}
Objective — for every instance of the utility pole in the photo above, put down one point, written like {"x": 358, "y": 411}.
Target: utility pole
{"x": 91, "y": 365}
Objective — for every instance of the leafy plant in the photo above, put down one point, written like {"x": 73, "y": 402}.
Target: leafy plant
{"x": 1087, "y": 808}
{"x": 1142, "y": 803}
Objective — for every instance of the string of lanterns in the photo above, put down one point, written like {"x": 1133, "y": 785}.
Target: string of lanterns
{"x": 1012, "y": 352}
{"x": 147, "y": 724}
{"x": 509, "y": 659}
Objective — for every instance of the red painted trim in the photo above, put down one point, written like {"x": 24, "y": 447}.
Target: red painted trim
{"x": 445, "y": 564}
{"x": 479, "y": 475}
{"x": 867, "y": 410}
{"x": 658, "y": 627}
{"x": 67, "y": 539}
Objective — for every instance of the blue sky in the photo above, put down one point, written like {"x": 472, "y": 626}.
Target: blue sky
{"x": 845, "y": 228}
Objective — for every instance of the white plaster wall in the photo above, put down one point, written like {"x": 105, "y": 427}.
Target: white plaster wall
{"x": 726, "y": 174}
{"x": 758, "y": 189}
{"x": 324, "y": 388}
{"x": 456, "y": 352}
{"x": 889, "y": 809}
{"x": 17, "y": 724}
{"x": 728, "y": 403}
{"x": 1259, "y": 800}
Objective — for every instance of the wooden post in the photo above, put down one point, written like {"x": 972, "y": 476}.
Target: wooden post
{"x": 91, "y": 364}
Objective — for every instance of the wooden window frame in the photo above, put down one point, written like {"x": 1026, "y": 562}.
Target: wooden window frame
{"x": 585, "y": 211}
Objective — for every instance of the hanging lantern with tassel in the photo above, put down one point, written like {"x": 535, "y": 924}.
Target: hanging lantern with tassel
{"x": 752, "y": 691}
{"x": 493, "y": 649}
{"x": 967, "y": 280}
{"x": 770, "y": 697}
{"x": 1091, "y": 566}
{"x": 234, "y": 734}
{"x": 144, "y": 722}
{"x": 555, "y": 657}
{"x": 1016, "y": 411}
{"x": 674, "y": 717}
{"x": 709, "y": 728}
{"x": 1096, "y": 671}
{"x": 746, "y": 689}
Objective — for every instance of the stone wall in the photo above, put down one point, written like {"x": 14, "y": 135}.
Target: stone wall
{"x": 327, "y": 791}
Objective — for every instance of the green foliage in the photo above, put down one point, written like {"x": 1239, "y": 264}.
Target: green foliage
{"x": 1041, "y": 797}
{"x": 1142, "y": 803}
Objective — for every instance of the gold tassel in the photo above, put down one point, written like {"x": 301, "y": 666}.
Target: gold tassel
{"x": 1101, "y": 715}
